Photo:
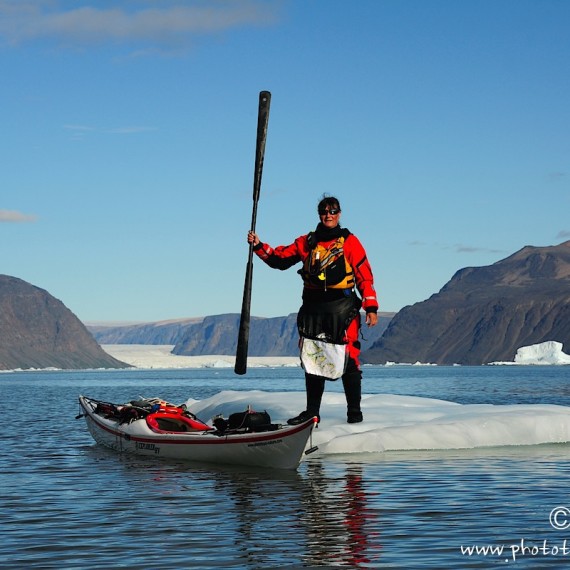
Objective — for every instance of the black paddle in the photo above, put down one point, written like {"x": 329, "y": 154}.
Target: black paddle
{"x": 243, "y": 335}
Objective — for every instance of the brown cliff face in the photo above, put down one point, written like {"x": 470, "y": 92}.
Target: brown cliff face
{"x": 484, "y": 314}
{"x": 38, "y": 331}
{"x": 217, "y": 334}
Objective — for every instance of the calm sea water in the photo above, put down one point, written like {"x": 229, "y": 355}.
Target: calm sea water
{"x": 67, "y": 503}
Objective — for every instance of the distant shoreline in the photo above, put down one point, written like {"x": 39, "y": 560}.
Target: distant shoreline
{"x": 150, "y": 356}
{"x": 159, "y": 356}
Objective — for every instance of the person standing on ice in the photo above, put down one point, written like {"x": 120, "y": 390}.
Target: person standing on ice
{"x": 334, "y": 264}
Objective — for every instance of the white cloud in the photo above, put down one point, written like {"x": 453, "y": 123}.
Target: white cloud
{"x": 562, "y": 234}
{"x": 79, "y": 132}
{"x": 462, "y": 248}
{"x": 13, "y": 216}
{"x": 556, "y": 175}
{"x": 136, "y": 21}
{"x": 79, "y": 128}
{"x": 458, "y": 247}
{"x": 130, "y": 130}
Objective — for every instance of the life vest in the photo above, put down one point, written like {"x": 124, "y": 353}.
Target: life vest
{"x": 327, "y": 267}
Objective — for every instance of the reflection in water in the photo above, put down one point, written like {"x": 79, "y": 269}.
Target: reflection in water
{"x": 341, "y": 526}
{"x": 68, "y": 503}
{"x": 313, "y": 518}
{"x": 359, "y": 519}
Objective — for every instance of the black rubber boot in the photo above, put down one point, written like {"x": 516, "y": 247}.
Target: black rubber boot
{"x": 352, "y": 384}
{"x": 314, "y": 387}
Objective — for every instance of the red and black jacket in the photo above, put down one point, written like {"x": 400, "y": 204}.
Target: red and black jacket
{"x": 358, "y": 270}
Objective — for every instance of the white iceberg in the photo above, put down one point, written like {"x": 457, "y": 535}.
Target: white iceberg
{"x": 549, "y": 353}
{"x": 403, "y": 423}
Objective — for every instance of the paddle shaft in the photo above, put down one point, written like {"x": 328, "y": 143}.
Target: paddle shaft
{"x": 243, "y": 334}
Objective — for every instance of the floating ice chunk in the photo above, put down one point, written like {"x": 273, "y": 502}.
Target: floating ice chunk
{"x": 549, "y": 352}
{"x": 403, "y": 423}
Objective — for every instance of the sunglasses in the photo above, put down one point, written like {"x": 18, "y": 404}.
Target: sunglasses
{"x": 332, "y": 212}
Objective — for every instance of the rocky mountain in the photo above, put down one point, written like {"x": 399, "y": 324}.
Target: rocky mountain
{"x": 484, "y": 314}
{"x": 218, "y": 335}
{"x": 161, "y": 332}
{"x": 276, "y": 336}
{"x": 38, "y": 331}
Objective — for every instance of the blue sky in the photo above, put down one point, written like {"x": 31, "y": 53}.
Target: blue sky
{"x": 128, "y": 138}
